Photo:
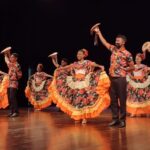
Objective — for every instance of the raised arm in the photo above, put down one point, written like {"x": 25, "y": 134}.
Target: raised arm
{"x": 101, "y": 37}
{"x": 54, "y": 58}
{"x": 6, "y": 57}
{"x": 6, "y": 53}
{"x": 55, "y": 62}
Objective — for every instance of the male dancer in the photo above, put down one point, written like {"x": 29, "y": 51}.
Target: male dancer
{"x": 15, "y": 74}
{"x": 121, "y": 62}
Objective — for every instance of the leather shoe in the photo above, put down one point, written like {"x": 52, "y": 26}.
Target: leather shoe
{"x": 15, "y": 115}
{"x": 122, "y": 124}
{"x": 114, "y": 123}
{"x": 9, "y": 115}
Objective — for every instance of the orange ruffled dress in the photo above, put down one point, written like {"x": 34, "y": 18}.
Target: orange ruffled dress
{"x": 82, "y": 93}
{"x": 38, "y": 91}
{"x": 138, "y": 99}
{"x": 4, "y": 82}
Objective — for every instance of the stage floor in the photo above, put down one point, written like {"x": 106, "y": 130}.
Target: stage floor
{"x": 52, "y": 130}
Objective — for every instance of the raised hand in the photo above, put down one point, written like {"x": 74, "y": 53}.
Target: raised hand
{"x": 6, "y": 50}
{"x": 95, "y": 28}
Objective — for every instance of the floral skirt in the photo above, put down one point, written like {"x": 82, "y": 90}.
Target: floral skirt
{"x": 138, "y": 97}
{"x": 39, "y": 95}
{"x": 81, "y": 98}
{"x": 4, "y": 82}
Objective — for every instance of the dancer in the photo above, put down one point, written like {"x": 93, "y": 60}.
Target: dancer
{"x": 4, "y": 81}
{"x": 121, "y": 62}
{"x": 37, "y": 89}
{"x": 138, "y": 100}
{"x": 84, "y": 93}
{"x": 64, "y": 61}
{"x": 15, "y": 74}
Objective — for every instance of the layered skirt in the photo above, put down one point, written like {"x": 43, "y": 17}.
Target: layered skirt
{"x": 81, "y": 96}
{"x": 39, "y": 95}
{"x": 4, "y": 82}
{"x": 138, "y": 99}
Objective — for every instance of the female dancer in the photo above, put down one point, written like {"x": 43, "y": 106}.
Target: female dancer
{"x": 64, "y": 61}
{"x": 4, "y": 82}
{"x": 138, "y": 100}
{"x": 83, "y": 93}
{"x": 37, "y": 89}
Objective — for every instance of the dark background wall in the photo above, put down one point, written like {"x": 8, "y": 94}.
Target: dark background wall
{"x": 36, "y": 28}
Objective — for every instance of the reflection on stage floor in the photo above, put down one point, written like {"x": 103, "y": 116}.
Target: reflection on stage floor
{"x": 54, "y": 130}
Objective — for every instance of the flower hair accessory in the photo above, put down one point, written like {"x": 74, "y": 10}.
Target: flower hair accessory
{"x": 85, "y": 52}
{"x": 141, "y": 55}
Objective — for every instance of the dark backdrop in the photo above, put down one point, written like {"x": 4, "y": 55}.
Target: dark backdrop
{"x": 36, "y": 28}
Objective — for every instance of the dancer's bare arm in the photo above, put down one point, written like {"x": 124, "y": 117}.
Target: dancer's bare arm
{"x": 102, "y": 39}
{"x": 6, "y": 53}
{"x": 99, "y": 66}
{"x": 55, "y": 63}
{"x": 3, "y": 73}
{"x": 48, "y": 75}
{"x": 66, "y": 67}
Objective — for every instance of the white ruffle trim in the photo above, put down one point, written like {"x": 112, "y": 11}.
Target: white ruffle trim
{"x": 39, "y": 87}
{"x": 78, "y": 84}
{"x": 138, "y": 85}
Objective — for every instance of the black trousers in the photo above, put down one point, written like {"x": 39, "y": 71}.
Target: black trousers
{"x": 12, "y": 98}
{"x": 118, "y": 93}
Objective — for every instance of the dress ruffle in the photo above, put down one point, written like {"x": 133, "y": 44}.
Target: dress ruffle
{"x": 3, "y": 92}
{"x": 92, "y": 111}
{"x": 41, "y": 104}
{"x": 138, "y": 100}
{"x": 138, "y": 109}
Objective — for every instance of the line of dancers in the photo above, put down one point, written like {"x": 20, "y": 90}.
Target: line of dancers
{"x": 83, "y": 89}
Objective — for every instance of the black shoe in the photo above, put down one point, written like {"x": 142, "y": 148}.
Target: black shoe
{"x": 114, "y": 123}
{"x": 9, "y": 115}
{"x": 15, "y": 115}
{"x": 122, "y": 124}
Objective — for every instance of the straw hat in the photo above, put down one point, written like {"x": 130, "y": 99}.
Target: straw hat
{"x": 53, "y": 54}
{"x": 7, "y": 49}
{"x": 93, "y": 27}
{"x": 146, "y": 46}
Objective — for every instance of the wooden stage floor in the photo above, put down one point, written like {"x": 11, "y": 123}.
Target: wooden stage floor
{"x": 52, "y": 130}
